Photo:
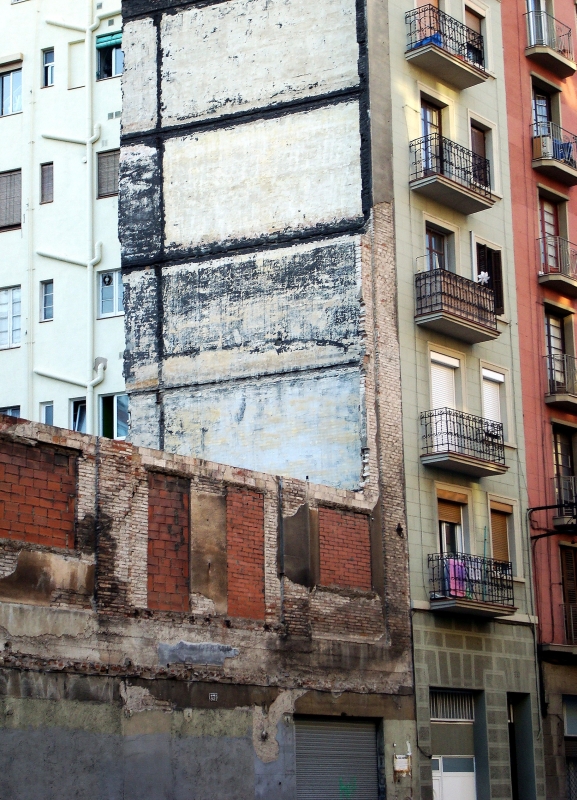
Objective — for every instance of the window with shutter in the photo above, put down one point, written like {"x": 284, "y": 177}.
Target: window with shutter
{"x": 47, "y": 183}
{"x": 569, "y": 572}
{"x": 108, "y": 173}
{"x": 500, "y": 534}
{"x": 450, "y": 526}
{"x": 10, "y": 199}
{"x": 489, "y": 262}
{"x": 492, "y": 395}
{"x": 443, "y": 385}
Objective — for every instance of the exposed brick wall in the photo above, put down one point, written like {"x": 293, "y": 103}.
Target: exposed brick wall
{"x": 245, "y": 553}
{"x": 345, "y": 549}
{"x": 37, "y": 495}
{"x": 168, "y": 542}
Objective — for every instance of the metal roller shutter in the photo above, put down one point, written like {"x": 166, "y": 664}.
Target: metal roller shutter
{"x": 336, "y": 760}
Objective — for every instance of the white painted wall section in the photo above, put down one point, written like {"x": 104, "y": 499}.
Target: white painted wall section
{"x": 289, "y": 173}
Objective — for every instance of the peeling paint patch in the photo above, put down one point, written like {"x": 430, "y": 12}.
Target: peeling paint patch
{"x": 264, "y": 730}
{"x": 198, "y": 653}
{"x": 140, "y": 218}
{"x": 136, "y": 699}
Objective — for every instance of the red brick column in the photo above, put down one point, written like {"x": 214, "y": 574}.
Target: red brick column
{"x": 37, "y": 495}
{"x": 168, "y": 542}
{"x": 345, "y": 549}
{"x": 245, "y": 553}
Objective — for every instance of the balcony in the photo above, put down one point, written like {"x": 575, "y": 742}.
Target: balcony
{"x": 558, "y": 259}
{"x": 443, "y": 46}
{"x": 555, "y": 152}
{"x": 566, "y": 497}
{"x": 455, "y": 306}
{"x": 563, "y": 647}
{"x": 444, "y": 171}
{"x": 561, "y": 382}
{"x": 549, "y": 43}
{"x": 465, "y": 584}
{"x": 464, "y": 443}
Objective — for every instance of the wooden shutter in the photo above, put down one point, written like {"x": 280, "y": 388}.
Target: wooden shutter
{"x": 108, "y": 173}
{"x": 449, "y": 512}
{"x": 500, "y": 535}
{"x": 496, "y": 279}
{"x": 47, "y": 183}
{"x": 10, "y": 199}
{"x": 568, "y": 559}
{"x": 442, "y": 386}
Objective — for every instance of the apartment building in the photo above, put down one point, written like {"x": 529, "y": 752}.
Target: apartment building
{"x": 540, "y": 75}
{"x": 61, "y": 305}
{"x": 464, "y": 452}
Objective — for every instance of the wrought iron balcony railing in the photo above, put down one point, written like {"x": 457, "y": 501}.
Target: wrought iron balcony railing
{"x": 439, "y": 290}
{"x": 467, "y": 577}
{"x": 446, "y": 430}
{"x": 561, "y": 374}
{"x": 434, "y": 155}
{"x": 543, "y": 30}
{"x": 565, "y": 493}
{"x": 429, "y": 26}
{"x": 570, "y": 617}
{"x": 552, "y": 141}
{"x": 558, "y": 257}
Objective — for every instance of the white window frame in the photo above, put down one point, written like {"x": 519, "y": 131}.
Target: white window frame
{"x": 43, "y": 294}
{"x": 43, "y": 407}
{"x": 117, "y": 284}
{"x": 7, "y": 409}
{"x": 11, "y": 343}
{"x": 73, "y": 402}
{"x": 11, "y": 73}
{"x": 48, "y": 68}
{"x": 115, "y": 415}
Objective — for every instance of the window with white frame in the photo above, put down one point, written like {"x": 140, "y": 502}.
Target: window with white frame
{"x": 494, "y": 407}
{"x": 114, "y": 416}
{"x": 48, "y": 67}
{"x": 47, "y": 413}
{"x": 110, "y": 293}
{"x": 10, "y": 317}
{"x": 46, "y": 301}
{"x": 10, "y": 92}
{"x": 10, "y": 411}
{"x": 78, "y": 409}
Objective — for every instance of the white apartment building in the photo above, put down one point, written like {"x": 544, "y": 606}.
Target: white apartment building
{"x": 61, "y": 299}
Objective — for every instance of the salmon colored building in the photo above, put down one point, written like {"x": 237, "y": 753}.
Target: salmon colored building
{"x": 542, "y": 123}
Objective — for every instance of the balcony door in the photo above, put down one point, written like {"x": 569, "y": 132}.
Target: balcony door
{"x": 443, "y": 394}
{"x": 569, "y": 573}
{"x": 549, "y": 231}
{"x": 450, "y": 527}
{"x": 431, "y": 133}
{"x": 446, "y": 432}
{"x": 555, "y": 349}
{"x": 541, "y": 113}
{"x": 436, "y": 249}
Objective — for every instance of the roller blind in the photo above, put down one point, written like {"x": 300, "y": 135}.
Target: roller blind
{"x": 568, "y": 563}
{"x": 491, "y": 400}
{"x": 500, "y": 535}
{"x": 47, "y": 183}
{"x": 336, "y": 759}
{"x": 108, "y": 173}
{"x": 442, "y": 386}
{"x": 449, "y": 512}
{"x": 109, "y": 40}
{"x": 10, "y": 199}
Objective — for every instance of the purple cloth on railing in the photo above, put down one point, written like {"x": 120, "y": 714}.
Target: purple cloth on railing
{"x": 457, "y": 577}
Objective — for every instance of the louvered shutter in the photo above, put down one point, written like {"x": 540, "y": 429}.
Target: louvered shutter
{"x": 491, "y": 400}
{"x": 442, "y": 386}
{"x": 108, "y": 173}
{"x": 10, "y": 199}
{"x": 47, "y": 183}
{"x": 449, "y": 512}
{"x": 569, "y": 569}
{"x": 496, "y": 283}
{"x": 500, "y": 535}
{"x": 336, "y": 759}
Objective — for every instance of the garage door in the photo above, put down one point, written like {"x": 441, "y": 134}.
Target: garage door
{"x": 336, "y": 760}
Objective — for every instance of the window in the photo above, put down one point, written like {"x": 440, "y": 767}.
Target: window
{"x": 451, "y": 706}
{"x": 557, "y": 366}
{"x": 110, "y": 293}
{"x": 47, "y": 183}
{"x": 569, "y": 574}
{"x": 541, "y": 113}
{"x": 552, "y": 252}
{"x": 110, "y": 56}
{"x": 47, "y": 300}
{"x": 10, "y": 92}
{"x": 443, "y": 389}
{"x": 108, "y": 173}
{"x": 79, "y": 415}
{"x": 501, "y": 517}
{"x": 48, "y": 67}
{"x": 10, "y": 317}
{"x": 10, "y": 199}
{"x": 450, "y": 527}
{"x": 114, "y": 416}
{"x": 492, "y": 400}
{"x": 490, "y": 273}
{"x": 436, "y": 249}
{"x": 479, "y": 148}
{"x": 473, "y": 20}
{"x": 570, "y": 709}
{"x": 11, "y": 411}
{"x": 47, "y": 413}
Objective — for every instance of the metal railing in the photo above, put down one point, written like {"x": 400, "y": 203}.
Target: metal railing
{"x": 446, "y": 430}
{"x": 570, "y": 617}
{"x": 427, "y": 25}
{"x": 561, "y": 374}
{"x": 435, "y": 155}
{"x": 441, "y": 290}
{"x": 552, "y": 141}
{"x": 564, "y": 490}
{"x": 558, "y": 256}
{"x": 543, "y": 30}
{"x": 464, "y": 576}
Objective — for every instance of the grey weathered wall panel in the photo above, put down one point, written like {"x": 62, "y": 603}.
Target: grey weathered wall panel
{"x": 139, "y": 82}
{"x": 268, "y": 177}
{"x": 140, "y": 217}
{"x": 262, "y": 313}
{"x": 255, "y": 53}
{"x": 141, "y": 361}
{"x": 308, "y": 425}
